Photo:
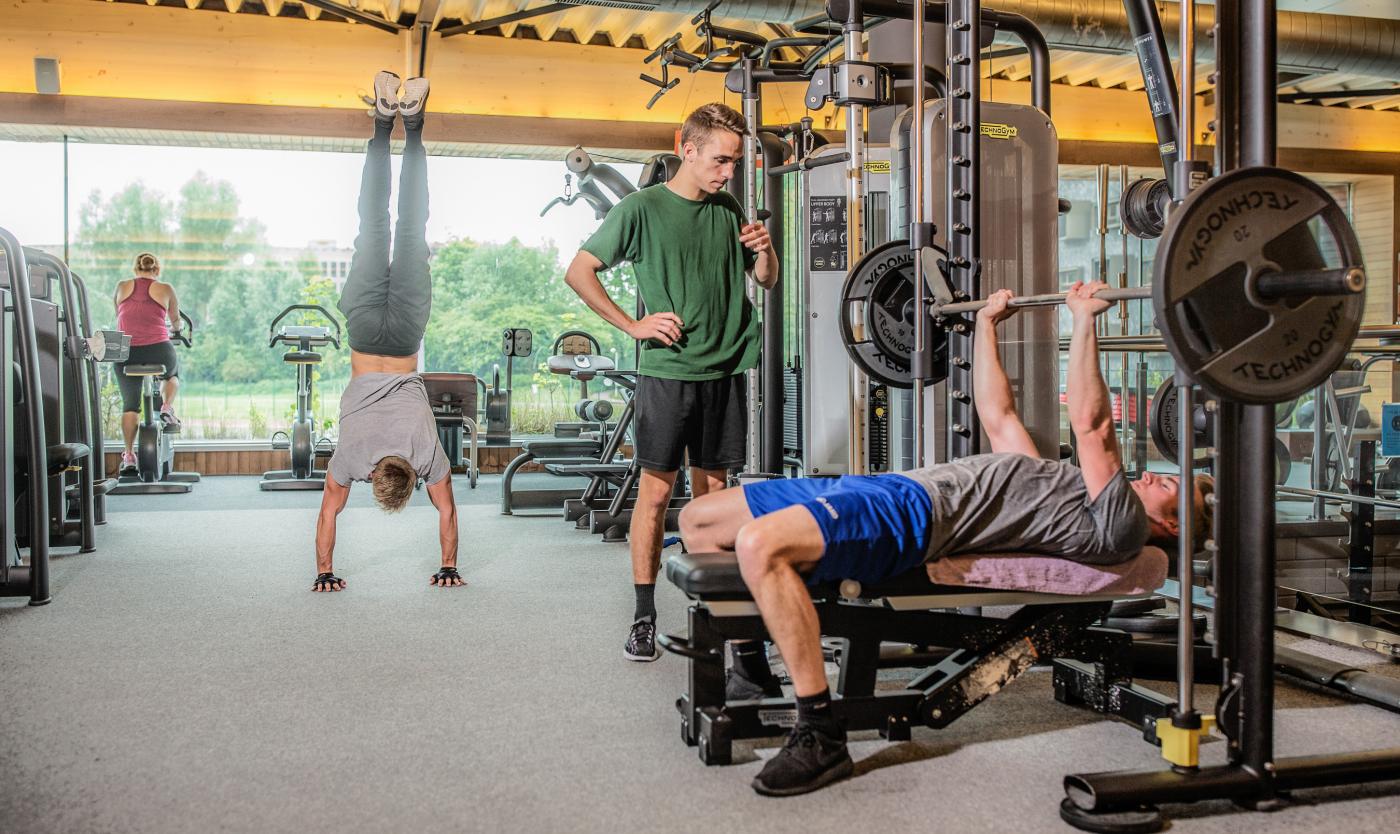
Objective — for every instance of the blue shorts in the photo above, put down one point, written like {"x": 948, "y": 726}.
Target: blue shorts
{"x": 874, "y": 526}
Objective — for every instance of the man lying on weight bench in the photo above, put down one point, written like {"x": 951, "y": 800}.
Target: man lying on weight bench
{"x": 870, "y": 528}
{"x": 388, "y": 434}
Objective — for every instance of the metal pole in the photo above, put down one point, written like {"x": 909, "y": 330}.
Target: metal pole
{"x": 1319, "y": 455}
{"x": 918, "y": 217}
{"x": 65, "y": 198}
{"x": 1185, "y": 550}
{"x": 1186, "y": 137}
{"x": 751, "y": 118}
{"x": 1123, "y": 318}
{"x": 857, "y": 459}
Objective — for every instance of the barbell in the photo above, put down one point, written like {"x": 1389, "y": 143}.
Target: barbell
{"x": 1270, "y": 286}
{"x": 1258, "y": 289}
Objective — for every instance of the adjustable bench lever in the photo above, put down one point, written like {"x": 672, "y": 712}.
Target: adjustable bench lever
{"x": 682, "y": 647}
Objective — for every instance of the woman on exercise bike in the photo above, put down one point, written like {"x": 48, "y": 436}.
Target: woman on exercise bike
{"x": 144, "y": 306}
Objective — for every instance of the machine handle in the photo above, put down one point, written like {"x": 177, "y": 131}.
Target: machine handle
{"x": 181, "y": 335}
{"x": 272, "y": 328}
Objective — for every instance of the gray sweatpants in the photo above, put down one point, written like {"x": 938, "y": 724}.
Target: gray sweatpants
{"x": 386, "y": 302}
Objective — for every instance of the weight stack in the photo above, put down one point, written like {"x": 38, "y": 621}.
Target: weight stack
{"x": 792, "y": 412}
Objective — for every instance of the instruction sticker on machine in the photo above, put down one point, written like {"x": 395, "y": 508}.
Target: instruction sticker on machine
{"x": 827, "y": 222}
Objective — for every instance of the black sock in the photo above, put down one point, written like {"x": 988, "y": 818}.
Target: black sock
{"x": 382, "y": 129}
{"x": 751, "y": 660}
{"x": 646, "y": 602}
{"x": 815, "y": 711}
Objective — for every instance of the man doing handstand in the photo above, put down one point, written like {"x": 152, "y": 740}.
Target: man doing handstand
{"x": 868, "y": 528}
{"x": 388, "y": 435}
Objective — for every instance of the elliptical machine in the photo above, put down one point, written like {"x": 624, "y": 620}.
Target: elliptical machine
{"x": 301, "y": 439}
{"x": 155, "y": 453}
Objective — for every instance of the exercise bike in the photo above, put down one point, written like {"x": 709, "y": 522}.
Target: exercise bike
{"x": 301, "y": 439}
{"x": 155, "y": 453}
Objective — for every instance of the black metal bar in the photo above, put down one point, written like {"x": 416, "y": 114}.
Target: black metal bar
{"x": 99, "y": 504}
{"x": 390, "y": 26}
{"x": 493, "y": 22}
{"x": 1016, "y": 24}
{"x": 775, "y": 152}
{"x": 1163, "y": 99}
{"x": 1037, "y": 48}
{"x": 1289, "y": 98}
{"x": 1362, "y": 539}
{"x": 27, "y": 349}
{"x": 1309, "y": 283}
{"x": 962, "y": 221}
{"x": 1249, "y": 26}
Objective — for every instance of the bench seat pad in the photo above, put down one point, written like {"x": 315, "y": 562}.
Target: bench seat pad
{"x": 716, "y": 575}
{"x": 1142, "y": 574}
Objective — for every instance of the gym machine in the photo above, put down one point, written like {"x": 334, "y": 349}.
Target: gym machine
{"x": 516, "y": 343}
{"x": 155, "y": 451}
{"x": 301, "y": 440}
{"x": 67, "y": 365}
{"x": 453, "y": 400}
{"x": 1248, "y": 354}
{"x": 22, "y": 402}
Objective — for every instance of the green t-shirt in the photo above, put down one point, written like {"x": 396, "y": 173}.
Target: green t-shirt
{"x": 688, "y": 261}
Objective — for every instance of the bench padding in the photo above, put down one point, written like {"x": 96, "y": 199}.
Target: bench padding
{"x": 716, "y": 575}
{"x": 1142, "y": 574}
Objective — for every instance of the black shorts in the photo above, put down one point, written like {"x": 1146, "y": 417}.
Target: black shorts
{"x": 707, "y": 418}
{"x": 160, "y": 353}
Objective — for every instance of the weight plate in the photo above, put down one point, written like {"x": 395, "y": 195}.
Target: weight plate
{"x": 1163, "y": 423}
{"x": 878, "y": 297}
{"x": 1228, "y": 232}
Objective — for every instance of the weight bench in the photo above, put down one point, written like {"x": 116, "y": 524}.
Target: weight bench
{"x": 1056, "y": 622}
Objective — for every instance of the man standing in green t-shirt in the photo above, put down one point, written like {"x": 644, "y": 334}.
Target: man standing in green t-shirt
{"x": 690, "y": 245}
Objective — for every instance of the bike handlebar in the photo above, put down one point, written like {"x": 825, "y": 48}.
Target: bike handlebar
{"x": 274, "y": 337}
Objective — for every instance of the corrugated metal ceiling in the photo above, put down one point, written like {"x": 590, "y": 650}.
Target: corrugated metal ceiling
{"x": 643, "y": 30}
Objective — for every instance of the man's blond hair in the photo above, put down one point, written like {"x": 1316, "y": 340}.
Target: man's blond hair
{"x": 394, "y": 482}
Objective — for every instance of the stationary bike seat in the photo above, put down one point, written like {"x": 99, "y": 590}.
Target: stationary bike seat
{"x": 143, "y": 370}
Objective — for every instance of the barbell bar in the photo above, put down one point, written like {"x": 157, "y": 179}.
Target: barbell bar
{"x": 1271, "y": 286}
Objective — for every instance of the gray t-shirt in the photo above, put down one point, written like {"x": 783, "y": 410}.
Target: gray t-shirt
{"x": 1014, "y": 503}
{"x": 383, "y": 415}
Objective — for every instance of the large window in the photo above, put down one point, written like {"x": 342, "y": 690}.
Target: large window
{"x": 242, "y": 234}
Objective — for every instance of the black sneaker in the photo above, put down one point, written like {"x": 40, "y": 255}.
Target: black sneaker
{"x": 810, "y": 759}
{"x": 641, "y": 642}
{"x": 739, "y": 688}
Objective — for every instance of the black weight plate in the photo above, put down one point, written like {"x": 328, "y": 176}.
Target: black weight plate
{"x": 878, "y": 293}
{"x": 1225, "y": 233}
{"x": 1163, "y": 422}
{"x": 1283, "y": 462}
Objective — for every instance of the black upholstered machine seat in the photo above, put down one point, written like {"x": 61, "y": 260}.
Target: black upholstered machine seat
{"x": 143, "y": 370}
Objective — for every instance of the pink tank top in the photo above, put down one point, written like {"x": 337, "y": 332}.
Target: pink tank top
{"x": 142, "y": 317}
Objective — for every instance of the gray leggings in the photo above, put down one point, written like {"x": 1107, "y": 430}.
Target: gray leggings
{"x": 386, "y": 302}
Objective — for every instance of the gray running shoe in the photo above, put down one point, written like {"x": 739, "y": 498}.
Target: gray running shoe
{"x": 386, "y": 95}
{"x": 415, "y": 96}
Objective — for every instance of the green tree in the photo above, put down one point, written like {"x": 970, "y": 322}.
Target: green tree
{"x": 479, "y": 289}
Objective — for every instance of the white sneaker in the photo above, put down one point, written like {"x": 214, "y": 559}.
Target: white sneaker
{"x": 386, "y": 95}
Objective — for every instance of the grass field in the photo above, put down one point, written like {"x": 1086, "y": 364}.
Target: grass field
{"x": 252, "y": 411}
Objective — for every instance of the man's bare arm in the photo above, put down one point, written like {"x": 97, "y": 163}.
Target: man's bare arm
{"x": 991, "y": 389}
{"x": 582, "y": 278}
{"x": 333, "y": 499}
{"x": 1089, "y": 404}
{"x": 440, "y": 494}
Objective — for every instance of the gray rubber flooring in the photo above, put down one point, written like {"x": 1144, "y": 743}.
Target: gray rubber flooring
{"x": 185, "y": 680}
